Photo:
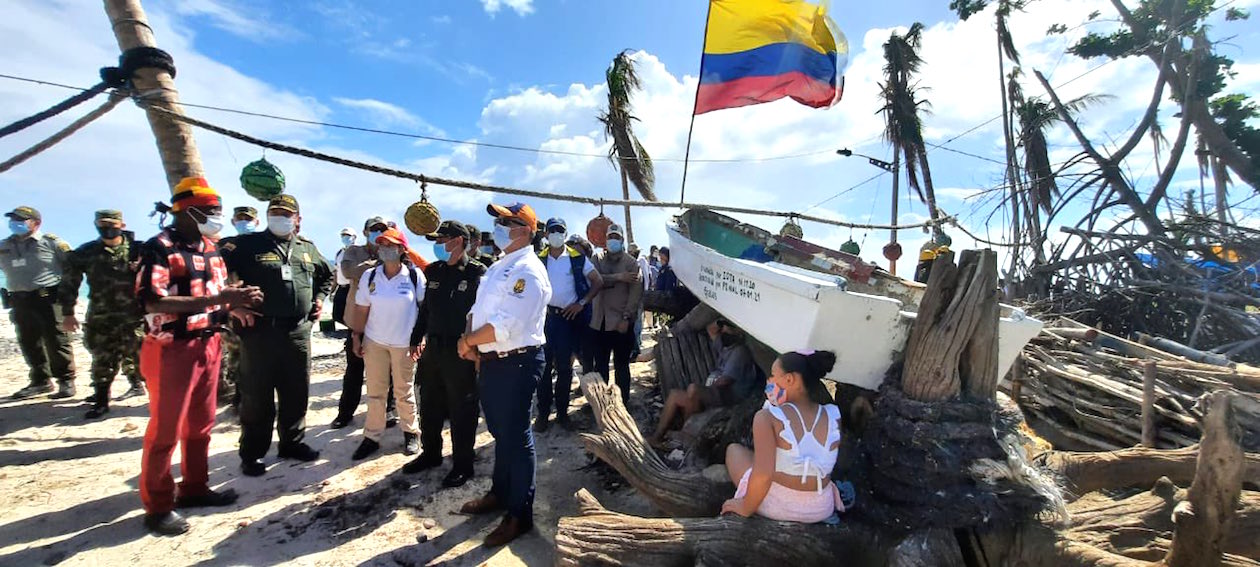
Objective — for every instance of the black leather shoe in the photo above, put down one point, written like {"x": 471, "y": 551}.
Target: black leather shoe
{"x": 168, "y": 523}
{"x": 300, "y": 452}
{"x": 210, "y": 498}
{"x": 422, "y": 463}
{"x": 456, "y": 478}
{"x": 541, "y": 423}
{"x": 64, "y": 390}
{"x": 365, "y": 450}
{"x": 411, "y": 443}
{"x": 253, "y": 467}
{"x": 136, "y": 390}
{"x": 97, "y": 410}
{"x": 33, "y": 390}
{"x": 339, "y": 423}
{"x": 566, "y": 423}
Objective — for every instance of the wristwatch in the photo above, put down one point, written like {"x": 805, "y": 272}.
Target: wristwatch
{"x": 582, "y": 302}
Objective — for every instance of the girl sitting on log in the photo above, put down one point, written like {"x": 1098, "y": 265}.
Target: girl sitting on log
{"x": 795, "y": 441}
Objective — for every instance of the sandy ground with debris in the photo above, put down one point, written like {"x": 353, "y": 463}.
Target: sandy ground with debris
{"x": 68, "y": 488}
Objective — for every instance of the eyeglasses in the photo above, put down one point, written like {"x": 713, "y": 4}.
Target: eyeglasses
{"x": 508, "y": 221}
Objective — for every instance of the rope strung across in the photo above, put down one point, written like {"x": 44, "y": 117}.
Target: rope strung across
{"x": 312, "y": 154}
{"x": 111, "y": 77}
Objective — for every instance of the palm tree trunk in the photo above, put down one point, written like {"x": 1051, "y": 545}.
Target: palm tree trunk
{"x": 1218, "y": 178}
{"x": 174, "y": 139}
{"x": 929, "y": 194}
{"x": 625, "y": 194}
{"x": 1011, "y": 176}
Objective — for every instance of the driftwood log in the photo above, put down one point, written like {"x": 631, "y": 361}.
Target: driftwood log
{"x": 617, "y": 441}
{"x": 1084, "y": 472}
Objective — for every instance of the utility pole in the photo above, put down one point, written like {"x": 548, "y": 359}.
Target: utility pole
{"x": 896, "y": 190}
{"x": 157, "y": 88}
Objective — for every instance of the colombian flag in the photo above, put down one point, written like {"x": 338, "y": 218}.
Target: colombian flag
{"x": 758, "y": 51}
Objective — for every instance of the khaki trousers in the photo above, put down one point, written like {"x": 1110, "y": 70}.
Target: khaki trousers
{"x": 378, "y": 361}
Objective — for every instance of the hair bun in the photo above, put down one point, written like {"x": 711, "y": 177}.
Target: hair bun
{"x": 822, "y": 362}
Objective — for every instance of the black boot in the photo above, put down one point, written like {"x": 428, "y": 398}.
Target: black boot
{"x": 136, "y": 389}
{"x": 65, "y": 389}
{"x": 100, "y": 403}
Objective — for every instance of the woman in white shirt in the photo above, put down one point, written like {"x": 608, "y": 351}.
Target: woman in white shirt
{"x": 389, "y": 296}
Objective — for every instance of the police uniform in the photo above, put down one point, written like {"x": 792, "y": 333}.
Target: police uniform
{"x": 513, "y": 299}
{"x": 275, "y": 350}
{"x": 112, "y": 329}
{"x": 446, "y": 383}
{"x": 230, "y": 372}
{"x": 476, "y": 254}
{"x": 32, "y": 266}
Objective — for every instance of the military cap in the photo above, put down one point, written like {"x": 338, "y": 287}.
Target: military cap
{"x": 249, "y": 212}
{"x": 24, "y": 213}
{"x": 373, "y": 221}
{"x": 449, "y": 229}
{"x": 284, "y": 202}
{"x": 109, "y": 214}
{"x": 473, "y": 231}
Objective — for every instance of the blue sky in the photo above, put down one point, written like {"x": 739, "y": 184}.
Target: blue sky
{"x": 530, "y": 73}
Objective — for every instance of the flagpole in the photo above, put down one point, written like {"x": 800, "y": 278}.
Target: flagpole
{"x": 682, "y": 197}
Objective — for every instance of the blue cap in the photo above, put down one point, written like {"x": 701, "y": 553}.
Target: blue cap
{"x": 554, "y": 222}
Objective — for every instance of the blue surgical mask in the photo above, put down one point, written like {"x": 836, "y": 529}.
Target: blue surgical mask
{"x": 502, "y": 236}
{"x": 775, "y": 394}
{"x": 372, "y": 236}
{"x": 487, "y": 250}
{"x": 243, "y": 226}
{"x": 616, "y": 246}
{"x": 439, "y": 250}
{"x": 19, "y": 227}
{"x": 347, "y": 240}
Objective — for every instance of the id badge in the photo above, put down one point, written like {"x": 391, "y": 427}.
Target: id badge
{"x": 286, "y": 273}
{"x": 19, "y": 262}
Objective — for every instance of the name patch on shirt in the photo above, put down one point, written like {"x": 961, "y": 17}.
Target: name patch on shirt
{"x": 463, "y": 286}
{"x": 267, "y": 257}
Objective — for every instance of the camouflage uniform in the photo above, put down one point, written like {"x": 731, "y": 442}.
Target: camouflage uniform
{"x": 112, "y": 330}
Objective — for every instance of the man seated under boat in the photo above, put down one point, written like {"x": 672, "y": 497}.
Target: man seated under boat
{"x": 733, "y": 379}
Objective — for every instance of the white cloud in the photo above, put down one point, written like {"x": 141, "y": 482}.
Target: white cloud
{"x": 521, "y": 7}
{"x": 232, "y": 18}
{"x": 383, "y": 114}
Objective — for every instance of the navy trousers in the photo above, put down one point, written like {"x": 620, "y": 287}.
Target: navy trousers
{"x": 507, "y": 387}
{"x": 564, "y": 339}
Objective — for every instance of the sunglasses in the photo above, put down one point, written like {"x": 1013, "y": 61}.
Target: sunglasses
{"x": 504, "y": 221}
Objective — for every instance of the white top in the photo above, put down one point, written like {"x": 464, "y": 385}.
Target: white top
{"x": 513, "y": 298}
{"x": 395, "y": 305}
{"x": 807, "y": 457}
{"x": 560, "y": 274}
{"x": 342, "y": 280}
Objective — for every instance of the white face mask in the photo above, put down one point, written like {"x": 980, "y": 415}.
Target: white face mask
{"x": 280, "y": 226}
{"x": 210, "y": 225}
{"x": 555, "y": 240}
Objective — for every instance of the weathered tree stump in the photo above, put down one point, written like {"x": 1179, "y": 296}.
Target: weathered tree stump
{"x": 617, "y": 441}
{"x": 1084, "y": 472}
{"x": 1203, "y": 518}
{"x": 602, "y": 537}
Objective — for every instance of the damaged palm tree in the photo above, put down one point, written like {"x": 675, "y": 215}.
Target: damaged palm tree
{"x": 627, "y": 153}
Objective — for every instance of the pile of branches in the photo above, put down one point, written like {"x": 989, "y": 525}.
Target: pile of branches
{"x": 1088, "y": 387}
{"x": 929, "y": 460}
{"x": 1188, "y": 285}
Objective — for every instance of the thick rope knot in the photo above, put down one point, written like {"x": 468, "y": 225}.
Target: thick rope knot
{"x": 135, "y": 59}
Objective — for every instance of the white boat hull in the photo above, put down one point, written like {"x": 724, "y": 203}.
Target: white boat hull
{"x": 790, "y": 308}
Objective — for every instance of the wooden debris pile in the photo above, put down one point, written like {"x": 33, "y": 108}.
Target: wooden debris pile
{"x": 1086, "y": 389}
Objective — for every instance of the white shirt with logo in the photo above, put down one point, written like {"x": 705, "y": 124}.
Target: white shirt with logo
{"x": 395, "y": 304}
{"x": 560, "y": 274}
{"x": 513, "y": 298}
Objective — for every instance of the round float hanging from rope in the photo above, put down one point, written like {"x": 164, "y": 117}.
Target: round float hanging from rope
{"x": 262, "y": 180}
{"x": 851, "y": 247}
{"x": 597, "y": 230}
{"x": 892, "y": 251}
{"x": 422, "y": 217}
{"x": 792, "y": 228}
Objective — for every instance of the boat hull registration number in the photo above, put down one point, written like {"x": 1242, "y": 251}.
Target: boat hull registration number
{"x": 717, "y": 281}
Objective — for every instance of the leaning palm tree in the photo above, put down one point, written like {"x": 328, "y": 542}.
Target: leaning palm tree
{"x": 902, "y": 127}
{"x": 626, "y": 153}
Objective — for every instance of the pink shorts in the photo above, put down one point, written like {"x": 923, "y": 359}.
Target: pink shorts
{"x": 785, "y": 504}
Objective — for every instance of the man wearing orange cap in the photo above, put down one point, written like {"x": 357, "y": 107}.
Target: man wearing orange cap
{"x": 182, "y": 286}
{"x": 506, "y": 335}
{"x": 276, "y": 346}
